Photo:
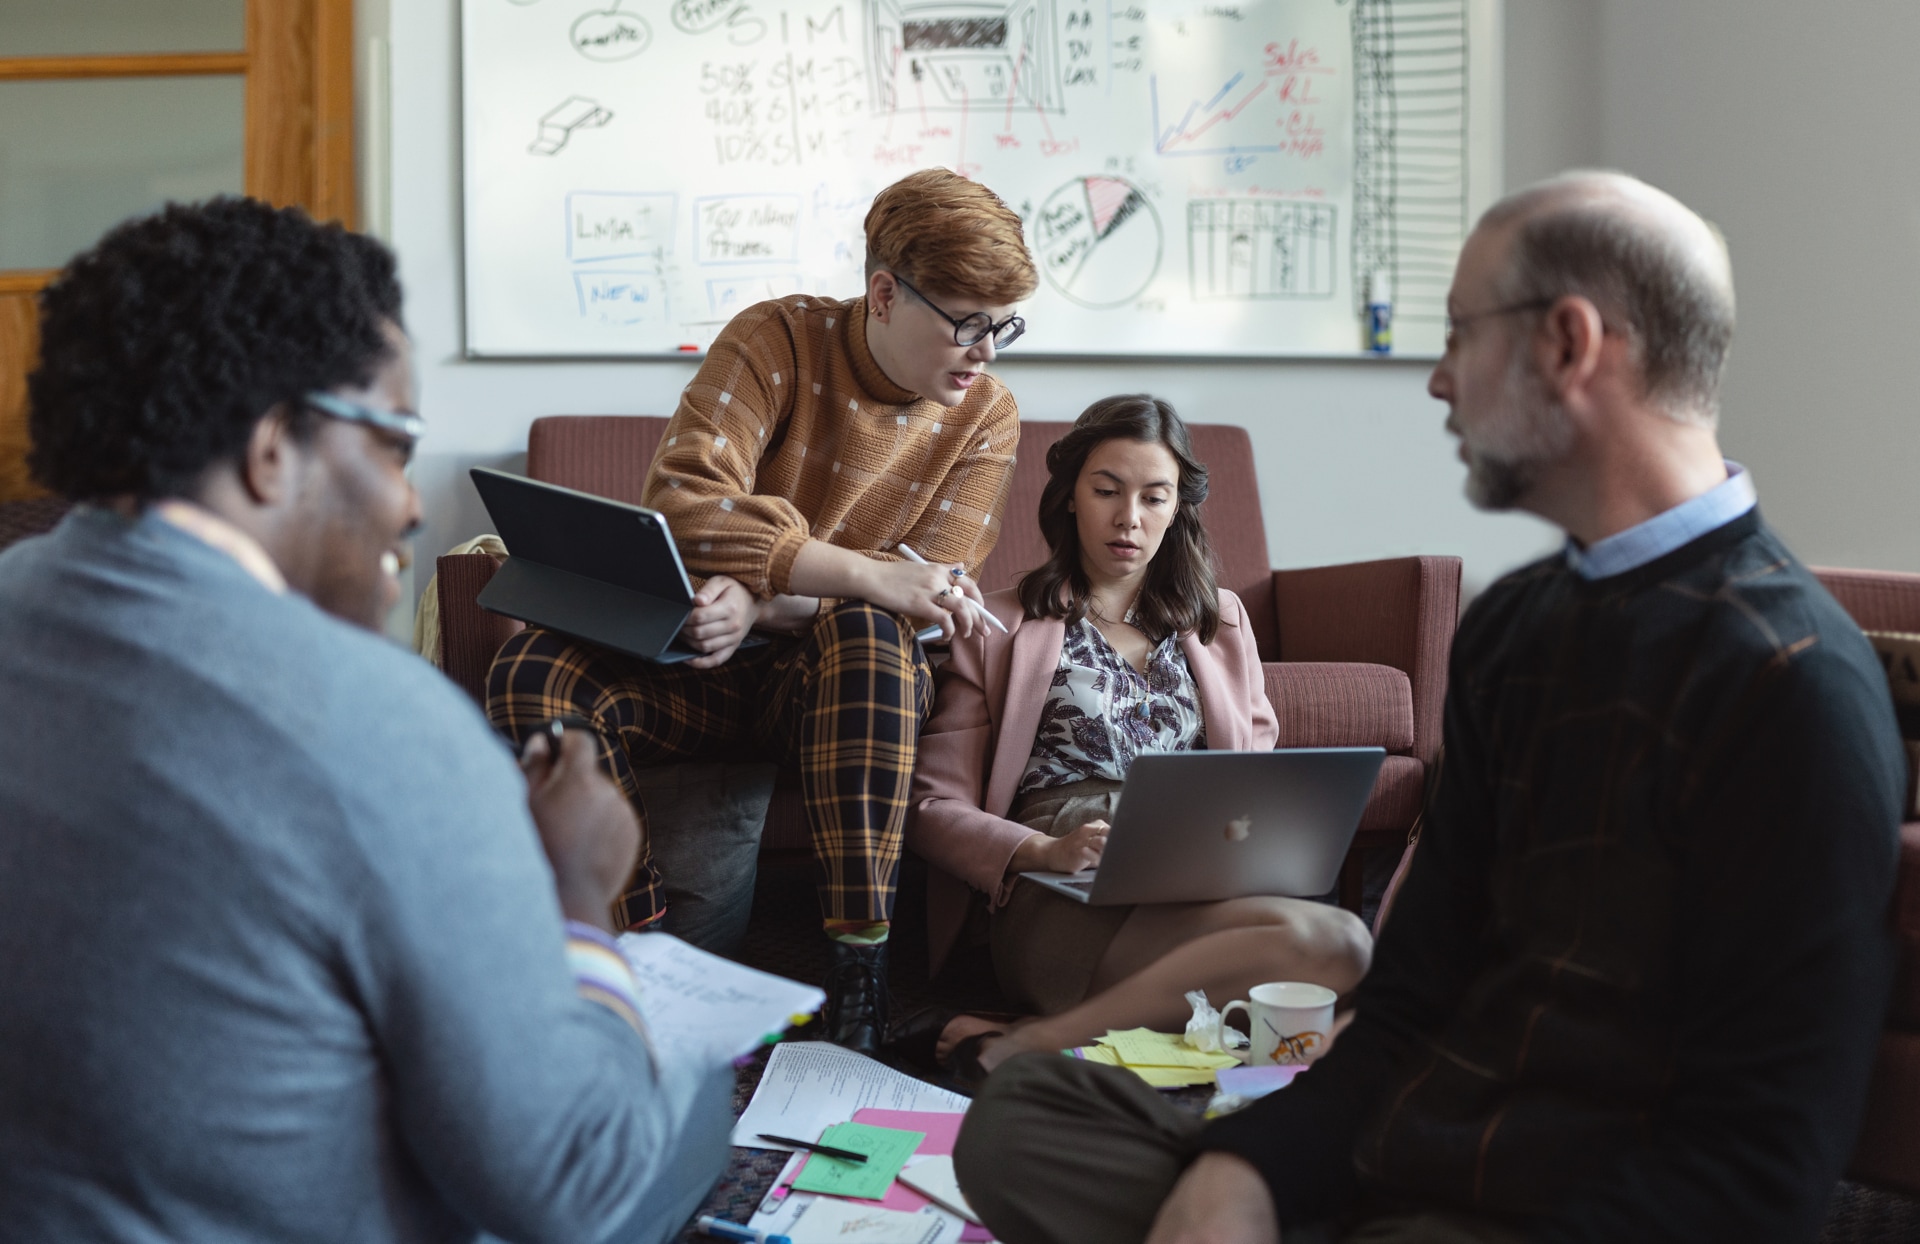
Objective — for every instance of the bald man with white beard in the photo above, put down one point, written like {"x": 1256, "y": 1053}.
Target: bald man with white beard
{"x": 1633, "y": 982}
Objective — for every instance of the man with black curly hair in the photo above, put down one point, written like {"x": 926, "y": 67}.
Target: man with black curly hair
{"x": 284, "y": 959}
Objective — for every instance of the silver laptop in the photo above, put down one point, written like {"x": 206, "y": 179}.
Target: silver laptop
{"x": 1201, "y": 826}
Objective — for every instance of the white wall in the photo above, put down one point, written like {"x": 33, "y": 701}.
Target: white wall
{"x": 1351, "y": 457}
{"x": 1792, "y": 126}
{"x": 1552, "y": 82}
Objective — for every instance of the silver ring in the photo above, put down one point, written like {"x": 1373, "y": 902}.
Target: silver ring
{"x": 943, "y": 593}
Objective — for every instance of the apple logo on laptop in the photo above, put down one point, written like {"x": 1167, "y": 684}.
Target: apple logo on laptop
{"x": 1238, "y": 828}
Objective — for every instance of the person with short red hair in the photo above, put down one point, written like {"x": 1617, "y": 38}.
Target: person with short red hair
{"x": 818, "y": 437}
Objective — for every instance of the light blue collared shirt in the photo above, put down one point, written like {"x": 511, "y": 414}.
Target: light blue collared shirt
{"x": 1663, "y": 533}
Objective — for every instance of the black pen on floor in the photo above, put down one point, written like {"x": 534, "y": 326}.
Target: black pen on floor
{"x": 845, "y": 1155}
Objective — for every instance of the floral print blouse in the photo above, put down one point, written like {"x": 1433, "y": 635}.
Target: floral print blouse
{"x": 1101, "y": 712}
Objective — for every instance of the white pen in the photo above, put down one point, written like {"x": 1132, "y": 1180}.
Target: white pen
{"x": 985, "y": 612}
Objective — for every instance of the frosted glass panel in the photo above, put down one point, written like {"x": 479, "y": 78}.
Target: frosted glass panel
{"x": 76, "y": 158}
{"x": 100, "y": 27}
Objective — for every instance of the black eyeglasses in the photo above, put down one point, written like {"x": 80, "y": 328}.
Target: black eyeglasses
{"x": 413, "y": 427}
{"x": 1456, "y": 322}
{"x": 971, "y": 330}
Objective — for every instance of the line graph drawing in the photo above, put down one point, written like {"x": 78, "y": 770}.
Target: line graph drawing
{"x": 1252, "y": 249}
{"x": 1099, "y": 240}
{"x": 1285, "y": 86}
{"x": 1177, "y": 139}
{"x": 946, "y": 57}
{"x": 1410, "y": 144}
{"x": 576, "y": 112}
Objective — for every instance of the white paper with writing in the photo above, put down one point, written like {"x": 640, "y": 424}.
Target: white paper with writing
{"x": 702, "y": 1008}
{"x": 809, "y": 1086}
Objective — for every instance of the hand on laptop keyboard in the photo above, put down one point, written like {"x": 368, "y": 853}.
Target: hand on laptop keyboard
{"x": 1074, "y": 852}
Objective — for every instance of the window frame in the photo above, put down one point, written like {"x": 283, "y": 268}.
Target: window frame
{"x": 298, "y": 151}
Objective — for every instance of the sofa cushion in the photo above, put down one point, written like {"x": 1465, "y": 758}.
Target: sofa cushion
{"x": 1906, "y": 923}
{"x": 1341, "y": 704}
{"x": 1397, "y": 794}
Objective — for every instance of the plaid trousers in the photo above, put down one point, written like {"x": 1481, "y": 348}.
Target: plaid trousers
{"x": 843, "y": 703}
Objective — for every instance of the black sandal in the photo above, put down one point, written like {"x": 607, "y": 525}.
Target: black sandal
{"x": 914, "y": 1040}
{"x": 963, "y": 1067}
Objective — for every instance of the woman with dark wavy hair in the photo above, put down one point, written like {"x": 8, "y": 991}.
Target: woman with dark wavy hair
{"x": 1121, "y": 644}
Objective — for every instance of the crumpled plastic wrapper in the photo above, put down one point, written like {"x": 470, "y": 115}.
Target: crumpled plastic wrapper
{"x": 1204, "y": 1031}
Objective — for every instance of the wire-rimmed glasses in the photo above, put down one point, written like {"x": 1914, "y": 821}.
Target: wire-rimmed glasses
{"x": 1454, "y": 323}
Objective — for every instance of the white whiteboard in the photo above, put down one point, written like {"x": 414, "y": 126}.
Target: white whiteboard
{"x": 1197, "y": 177}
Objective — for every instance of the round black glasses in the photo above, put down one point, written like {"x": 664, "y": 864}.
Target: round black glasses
{"x": 971, "y": 330}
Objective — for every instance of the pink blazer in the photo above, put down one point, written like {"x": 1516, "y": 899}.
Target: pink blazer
{"x": 986, "y": 712}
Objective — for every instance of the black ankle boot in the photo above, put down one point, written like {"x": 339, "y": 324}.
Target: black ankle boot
{"x": 855, "y": 1015}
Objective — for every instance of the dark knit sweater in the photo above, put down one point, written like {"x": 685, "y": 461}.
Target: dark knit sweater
{"x": 1633, "y": 983}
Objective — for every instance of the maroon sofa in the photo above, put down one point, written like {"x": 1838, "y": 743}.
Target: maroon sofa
{"x": 1356, "y": 653}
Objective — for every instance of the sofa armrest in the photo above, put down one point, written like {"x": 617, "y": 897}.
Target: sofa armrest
{"x": 1330, "y": 704}
{"x": 1399, "y": 612}
{"x": 469, "y": 635}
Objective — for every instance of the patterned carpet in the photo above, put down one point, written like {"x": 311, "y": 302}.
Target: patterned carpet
{"x": 784, "y": 937}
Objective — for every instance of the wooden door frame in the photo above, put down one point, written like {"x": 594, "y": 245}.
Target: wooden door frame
{"x": 298, "y": 150}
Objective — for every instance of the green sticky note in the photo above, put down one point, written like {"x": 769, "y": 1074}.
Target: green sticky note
{"x": 887, "y": 1150}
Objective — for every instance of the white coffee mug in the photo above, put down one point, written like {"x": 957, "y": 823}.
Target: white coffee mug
{"x": 1288, "y": 1022}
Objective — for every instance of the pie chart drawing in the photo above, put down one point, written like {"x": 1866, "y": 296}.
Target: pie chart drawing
{"x": 1099, "y": 241}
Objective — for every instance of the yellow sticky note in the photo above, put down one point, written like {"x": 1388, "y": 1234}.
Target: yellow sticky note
{"x": 1142, "y": 1047}
{"x": 1173, "y": 1077}
{"x": 1097, "y": 1054}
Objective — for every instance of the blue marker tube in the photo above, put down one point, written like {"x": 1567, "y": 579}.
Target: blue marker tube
{"x": 721, "y": 1229}
{"x": 1380, "y": 314}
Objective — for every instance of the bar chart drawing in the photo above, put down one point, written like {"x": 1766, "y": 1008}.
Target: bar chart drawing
{"x": 1253, "y": 249}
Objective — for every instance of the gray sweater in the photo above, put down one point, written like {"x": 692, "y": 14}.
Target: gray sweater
{"x": 280, "y": 956}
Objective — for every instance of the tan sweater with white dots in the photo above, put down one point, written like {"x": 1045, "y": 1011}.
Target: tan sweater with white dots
{"x": 791, "y": 431}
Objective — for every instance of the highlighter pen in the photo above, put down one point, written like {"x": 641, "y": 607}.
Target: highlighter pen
{"x": 720, "y": 1228}
{"x": 984, "y": 612}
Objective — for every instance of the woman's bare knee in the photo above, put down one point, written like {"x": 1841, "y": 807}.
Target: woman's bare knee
{"x": 1330, "y": 944}
{"x": 1338, "y": 940}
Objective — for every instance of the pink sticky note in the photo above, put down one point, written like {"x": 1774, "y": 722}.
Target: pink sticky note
{"x": 942, "y": 1131}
